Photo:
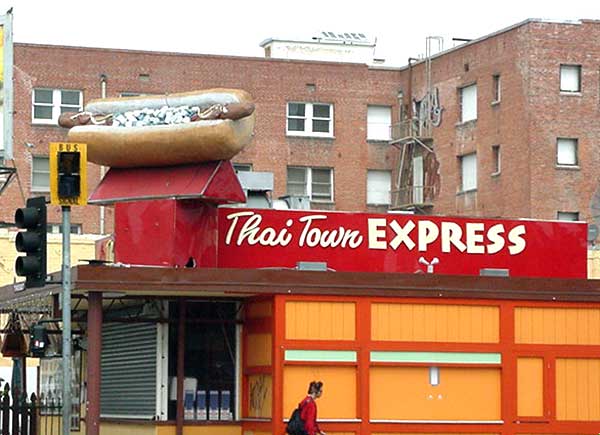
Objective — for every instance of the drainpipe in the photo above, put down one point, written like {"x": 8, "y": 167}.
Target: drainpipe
{"x": 102, "y": 168}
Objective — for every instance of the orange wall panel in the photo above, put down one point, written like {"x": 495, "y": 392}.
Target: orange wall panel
{"x": 260, "y": 397}
{"x": 579, "y": 326}
{"x": 435, "y": 323}
{"x": 320, "y": 320}
{"x": 339, "y": 389}
{"x": 404, "y": 393}
{"x": 578, "y": 389}
{"x": 530, "y": 387}
{"x": 259, "y": 350}
{"x": 433, "y": 433}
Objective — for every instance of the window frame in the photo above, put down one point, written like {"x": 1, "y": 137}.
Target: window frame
{"x": 560, "y": 79}
{"x": 308, "y": 120}
{"x": 35, "y": 187}
{"x": 379, "y": 193}
{"x": 574, "y": 214}
{"x": 496, "y": 89}
{"x": 373, "y": 127}
{"x": 52, "y": 228}
{"x": 496, "y": 160}
{"x": 56, "y": 105}
{"x": 575, "y": 142}
{"x": 242, "y": 167}
{"x": 463, "y": 188}
{"x": 308, "y": 183}
{"x": 461, "y": 93}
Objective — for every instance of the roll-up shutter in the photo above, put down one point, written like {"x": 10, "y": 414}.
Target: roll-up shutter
{"x": 129, "y": 370}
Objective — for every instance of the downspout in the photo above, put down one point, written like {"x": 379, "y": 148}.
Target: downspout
{"x": 102, "y": 168}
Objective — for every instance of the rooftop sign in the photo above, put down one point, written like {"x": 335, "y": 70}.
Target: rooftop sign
{"x": 251, "y": 238}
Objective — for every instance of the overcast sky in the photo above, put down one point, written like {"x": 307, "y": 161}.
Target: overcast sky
{"x": 232, "y": 27}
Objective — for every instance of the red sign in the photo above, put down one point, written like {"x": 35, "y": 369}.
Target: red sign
{"x": 252, "y": 238}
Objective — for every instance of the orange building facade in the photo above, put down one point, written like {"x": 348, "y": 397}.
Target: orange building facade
{"x": 417, "y": 365}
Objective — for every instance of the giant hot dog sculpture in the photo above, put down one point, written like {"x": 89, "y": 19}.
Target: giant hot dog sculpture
{"x": 214, "y": 124}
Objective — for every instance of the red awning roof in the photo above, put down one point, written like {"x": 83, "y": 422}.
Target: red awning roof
{"x": 213, "y": 181}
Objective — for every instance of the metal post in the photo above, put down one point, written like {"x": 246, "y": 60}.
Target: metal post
{"x": 94, "y": 369}
{"x": 66, "y": 319}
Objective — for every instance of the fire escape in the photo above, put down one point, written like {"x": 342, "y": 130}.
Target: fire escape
{"x": 416, "y": 178}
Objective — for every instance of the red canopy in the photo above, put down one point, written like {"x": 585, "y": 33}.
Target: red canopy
{"x": 214, "y": 181}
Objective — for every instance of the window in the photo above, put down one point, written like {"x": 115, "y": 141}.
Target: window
{"x": 242, "y": 167}
{"x": 309, "y": 119}
{"x": 379, "y": 122}
{"x": 57, "y": 229}
{"x": 40, "y": 174}
{"x": 210, "y": 361}
{"x": 570, "y": 78}
{"x": 497, "y": 88}
{"x": 566, "y": 152}
{"x": 468, "y": 103}
{"x": 316, "y": 183}
{"x": 468, "y": 165}
{"x": 571, "y": 216}
{"x": 378, "y": 187}
{"x": 496, "y": 160}
{"x": 48, "y": 104}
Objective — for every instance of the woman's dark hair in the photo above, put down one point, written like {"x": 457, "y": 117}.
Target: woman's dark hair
{"x": 315, "y": 387}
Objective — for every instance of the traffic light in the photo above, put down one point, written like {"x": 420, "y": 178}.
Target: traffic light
{"x": 68, "y": 179}
{"x": 32, "y": 241}
{"x": 38, "y": 340}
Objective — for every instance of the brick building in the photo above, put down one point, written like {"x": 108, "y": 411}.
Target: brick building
{"x": 501, "y": 126}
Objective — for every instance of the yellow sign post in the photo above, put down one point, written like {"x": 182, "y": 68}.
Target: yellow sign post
{"x": 68, "y": 173}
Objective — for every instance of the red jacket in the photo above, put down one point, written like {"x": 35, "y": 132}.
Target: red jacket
{"x": 308, "y": 413}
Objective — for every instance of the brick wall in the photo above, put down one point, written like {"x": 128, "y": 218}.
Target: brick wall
{"x": 526, "y": 123}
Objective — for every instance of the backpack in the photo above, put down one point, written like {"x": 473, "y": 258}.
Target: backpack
{"x": 295, "y": 424}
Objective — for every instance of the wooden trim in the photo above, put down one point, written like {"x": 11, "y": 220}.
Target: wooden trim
{"x": 245, "y": 282}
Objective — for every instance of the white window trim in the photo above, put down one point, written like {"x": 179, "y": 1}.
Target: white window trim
{"x": 575, "y": 142}
{"x": 308, "y": 183}
{"x": 497, "y": 170}
{"x": 497, "y": 88}
{"x": 560, "y": 80}
{"x": 462, "y": 104}
{"x": 56, "y": 105}
{"x": 379, "y": 192}
{"x": 374, "y": 126}
{"x": 568, "y": 215}
{"x": 464, "y": 188}
{"x": 36, "y": 188}
{"x": 308, "y": 118}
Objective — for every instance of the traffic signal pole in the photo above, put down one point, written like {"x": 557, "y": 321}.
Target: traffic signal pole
{"x": 68, "y": 186}
{"x": 66, "y": 319}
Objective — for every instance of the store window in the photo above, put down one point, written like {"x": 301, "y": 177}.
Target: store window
{"x": 48, "y": 104}
{"x": 210, "y": 361}
{"x": 379, "y": 122}
{"x": 570, "y": 78}
{"x": 468, "y": 103}
{"x": 566, "y": 152}
{"x": 468, "y": 168}
{"x": 316, "y": 183}
{"x": 379, "y": 185}
{"x": 309, "y": 119}
{"x": 40, "y": 174}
